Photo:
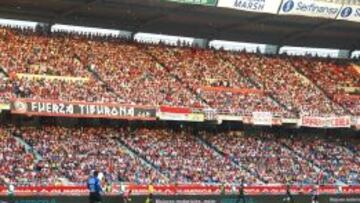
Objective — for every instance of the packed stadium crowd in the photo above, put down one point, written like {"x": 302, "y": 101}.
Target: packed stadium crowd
{"x": 28, "y": 52}
{"x": 5, "y": 90}
{"x": 89, "y": 91}
{"x": 342, "y": 163}
{"x": 109, "y": 69}
{"x": 74, "y": 153}
{"x": 182, "y": 158}
{"x": 198, "y": 69}
{"x": 17, "y": 165}
{"x": 73, "y": 67}
{"x": 278, "y": 76}
{"x": 338, "y": 79}
{"x": 264, "y": 156}
{"x": 136, "y": 77}
{"x": 51, "y": 155}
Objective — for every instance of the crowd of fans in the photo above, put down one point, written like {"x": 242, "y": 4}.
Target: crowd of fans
{"x": 183, "y": 158}
{"x": 135, "y": 76}
{"x": 18, "y": 165}
{"x": 5, "y": 90}
{"x": 334, "y": 77}
{"x": 57, "y": 89}
{"x": 74, "y": 153}
{"x": 198, "y": 69}
{"x": 332, "y": 155}
{"x": 28, "y": 52}
{"x": 264, "y": 156}
{"x": 51, "y": 155}
{"x": 278, "y": 76}
{"x": 108, "y": 69}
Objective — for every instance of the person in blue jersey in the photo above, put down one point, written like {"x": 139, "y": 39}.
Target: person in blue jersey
{"x": 95, "y": 189}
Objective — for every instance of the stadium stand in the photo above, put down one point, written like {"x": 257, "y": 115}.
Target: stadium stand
{"x": 180, "y": 101}
{"x": 261, "y": 153}
{"x": 73, "y": 67}
{"x": 333, "y": 156}
{"x": 339, "y": 80}
{"x": 18, "y": 165}
{"x": 278, "y": 76}
{"x": 166, "y": 155}
{"x": 198, "y": 69}
{"x": 74, "y": 153}
{"x": 182, "y": 158}
{"x": 26, "y": 52}
{"x": 106, "y": 69}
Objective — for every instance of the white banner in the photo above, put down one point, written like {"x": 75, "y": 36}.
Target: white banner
{"x": 310, "y": 8}
{"x": 262, "y": 118}
{"x": 350, "y": 13}
{"x": 192, "y": 117}
{"x": 4, "y": 106}
{"x": 260, "y": 6}
{"x": 210, "y": 114}
{"x": 357, "y": 124}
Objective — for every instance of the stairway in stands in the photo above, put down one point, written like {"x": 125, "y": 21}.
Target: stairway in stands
{"x": 37, "y": 156}
{"x": 317, "y": 167}
{"x": 161, "y": 64}
{"x": 29, "y": 148}
{"x": 321, "y": 89}
{"x": 133, "y": 153}
{"x": 241, "y": 74}
{"x": 220, "y": 153}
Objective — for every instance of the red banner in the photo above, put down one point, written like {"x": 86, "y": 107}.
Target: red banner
{"x": 187, "y": 189}
{"x": 169, "y": 109}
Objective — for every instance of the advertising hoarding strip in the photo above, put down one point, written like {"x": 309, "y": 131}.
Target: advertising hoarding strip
{"x": 349, "y": 13}
{"x": 310, "y": 8}
{"x": 202, "y": 198}
{"x": 185, "y": 189}
{"x": 286, "y": 7}
{"x": 263, "y": 6}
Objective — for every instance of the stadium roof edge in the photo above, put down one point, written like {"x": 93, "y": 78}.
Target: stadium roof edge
{"x": 154, "y": 16}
